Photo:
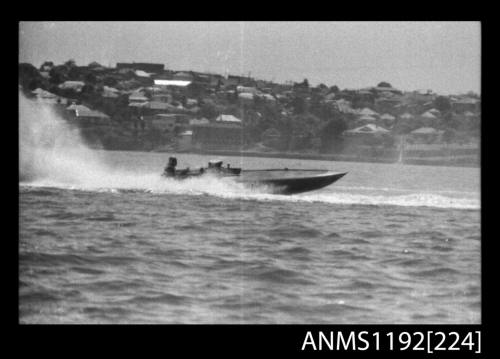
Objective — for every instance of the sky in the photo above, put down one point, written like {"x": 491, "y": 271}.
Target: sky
{"x": 441, "y": 56}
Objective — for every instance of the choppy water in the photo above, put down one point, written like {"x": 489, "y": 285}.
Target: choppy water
{"x": 386, "y": 244}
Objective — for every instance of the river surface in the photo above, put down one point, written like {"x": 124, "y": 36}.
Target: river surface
{"x": 115, "y": 243}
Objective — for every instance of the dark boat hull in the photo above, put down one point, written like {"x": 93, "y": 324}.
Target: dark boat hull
{"x": 293, "y": 185}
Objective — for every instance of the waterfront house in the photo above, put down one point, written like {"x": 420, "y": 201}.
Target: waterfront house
{"x": 48, "y": 97}
{"x": 365, "y": 132}
{"x": 225, "y": 133}
{"x": 85, "y": 117}
{"x": 425, "y": 135}
{"x": 200, "y": 121}
{"x": 162, "y": 121}
{"x": 184, "y": 140}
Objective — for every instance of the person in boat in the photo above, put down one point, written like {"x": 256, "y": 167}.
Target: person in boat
{"x": 170, "y": 169}
{"x": 215, "y": 165}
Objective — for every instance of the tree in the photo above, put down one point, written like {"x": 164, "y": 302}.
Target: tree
{"x": 48, "y": 64}
{"x": 58, "y": 74}
{"x": 331, "y": 133}
{"x": 29, "y": 77}
{"x": 209, "y": 111}
{"x": 335, "y": 89}
{"x": 91, "y": 78}
{"x": 70, "y": 63}
{"x": 322, "y": 86}
{"x": 442, "y": 103}
{"x": 384, "y": 84}
{"x": 299, "y": 105}
{"x": 449, "y": 135}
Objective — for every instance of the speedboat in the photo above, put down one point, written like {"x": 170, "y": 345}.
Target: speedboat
{"x": 280, "y": 181}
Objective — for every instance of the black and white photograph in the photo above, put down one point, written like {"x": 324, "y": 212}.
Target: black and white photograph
{"x": 249, "y": 172}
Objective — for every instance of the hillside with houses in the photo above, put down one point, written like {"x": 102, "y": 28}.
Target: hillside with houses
{"x": 146, "y": 107}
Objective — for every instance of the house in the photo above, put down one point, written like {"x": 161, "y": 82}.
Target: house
{"x": 173, "y": 83}
{"x": 220, "y": 135}
{"x": 137, "y": 96}
{"x": 183, "y": 76}
{"x": 74, "y": 107}
{"x": 465, "y": 104}
{"x": 156, "y": 107}
{"x": 146, "y": 67}
{"x": 367, "y": 130}
{"x": 191, "y": 102}
{"x": 406, "y": 116}
{"x": 247, "y": 89}
{"x": 267, "y": 97}
{"x": 428, "y": 119}
{"x": 73, "y": 85}
{"x": 201, "y": 121}
{"x": 419, "y": 97}
{"x": 49, "y": 98}
{"x": 388, "y": 103}
{"x": 246, "y": 98}
{"x": 435, "y": 112}
{"x": 140, "y": 73}
{"x": 110, "y": 92}
{"x": 86, "y": 117}
{"x": 387, "y": 119}
{"x": 344, "y": 106}
{"x": 368, "y": 112}
{"x": 161, "y": 97}
{"x": 380, "y": 90}
{"x": 365, "y": 119}
{"x": 426, "y": 135}
{"x": 233, "y": 80}
{"x": 162, "y": 121}
{"x": 329, "y": 98}
{"x": 225, "y": 133}
{"x": 184, "y": 140}
{"x": 228, "y": 118}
